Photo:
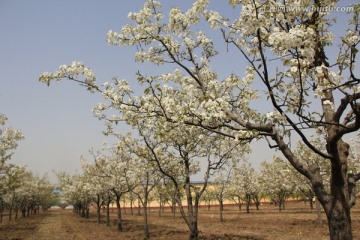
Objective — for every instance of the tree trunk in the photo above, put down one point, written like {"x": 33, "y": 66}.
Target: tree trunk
{"x": 248, "y": 200}
{"x": 131, "y": 205}
{"x": 146, "y": 226}
{"x": 160, "y": 208}
{"x": 337, "y": 204}
{"x": 256, "y": 201}
{"x": 118, "y": 213}
{"x": 87, "y": 211}
{"x": 221, "y": 208}
{"x": 192, "y": 209}
{"x": 98, "y": 212}
{"x": 139, "y": 207}
{"x": 10, "y": 214}
{"x": 318, "y": 211}
{"x": 98, "y": 208}
{"x": 194, "y": 233}
{"x": 108, "y": 214}
{"x": 83, "y": 212}
{"x": 173, "y": 208}
{"x": 311, "y": 203}
{"x": 239, "y": 202}
{"x": 339, "y": 223}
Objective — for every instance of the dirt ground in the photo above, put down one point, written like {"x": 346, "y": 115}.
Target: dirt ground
{"x": 297, "y": 221}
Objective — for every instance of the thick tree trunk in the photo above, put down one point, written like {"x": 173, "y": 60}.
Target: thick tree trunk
{"x": 339, "y": 223}
{"x": 118, "y": 213}
{"x": 337, "y": 203}
{"x": 194, "y": 232}
{"x": 338, "y": 209}
{"x": 192, "y": 212}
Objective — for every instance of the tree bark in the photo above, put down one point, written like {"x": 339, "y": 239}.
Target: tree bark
{"x": 221, "y": 208}
{"x": 338, "y": 208}
{"x": 248, "y": 200}
{"x": 318, "y": 211}
{"x": 311, "y": 203}
{"x": 194, "y": 232}
{"x": 98, "y": 208}
{"x": 339, "y": 222}
{"x": 146, "y": 225}
{"x": 108, "y": 213}
{"x": 10, "y": 213}
{"x": 118, "y": 213}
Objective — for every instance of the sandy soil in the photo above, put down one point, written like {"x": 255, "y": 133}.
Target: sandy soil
{"x": 296, "y": 222}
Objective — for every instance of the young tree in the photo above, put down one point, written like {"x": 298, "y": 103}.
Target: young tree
{"x": 15, "y": 178}
{"x": 77, "y": 191}
{"x": 245, "y": 185}
{"x": 124, "y": 177}
{"x": 151, "y": 179}
{"x": 174, "y": 149}
{"x": 221, "y": 188}
{"x": 208, "y": 197}
{"x": 99, "y": 181}
{"x": 284, "y": 44}
{"x": 277, "y": 182}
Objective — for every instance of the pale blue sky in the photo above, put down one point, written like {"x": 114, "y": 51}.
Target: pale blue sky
{"x": 40, "y": 35}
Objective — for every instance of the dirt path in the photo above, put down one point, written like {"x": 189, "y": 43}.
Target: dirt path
{"x": 297, "y": 222}
{"x": 55, "y": 225}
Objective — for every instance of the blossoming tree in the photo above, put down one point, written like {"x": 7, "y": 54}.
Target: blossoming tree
{"x": 8, "y": 141}
{"x": 277, "y": 181}
{"x": 245, "y": 185}
{"x": 284, "y": 44}
{"x": 176, "y": 156}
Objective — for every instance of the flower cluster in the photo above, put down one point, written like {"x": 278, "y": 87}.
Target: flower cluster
{"x": 73, "y": 71}
{"x": 8, "y": 140}
{"x": 297, "y": 38}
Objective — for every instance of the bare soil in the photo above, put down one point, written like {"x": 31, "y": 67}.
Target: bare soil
{"x": 297, "y": 221}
